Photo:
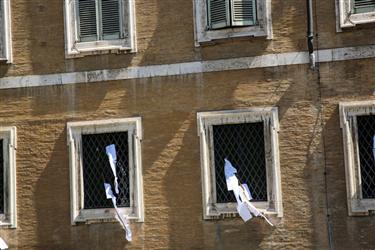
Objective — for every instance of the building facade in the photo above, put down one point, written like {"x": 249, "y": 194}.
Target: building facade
{"x": 178, "y": 86}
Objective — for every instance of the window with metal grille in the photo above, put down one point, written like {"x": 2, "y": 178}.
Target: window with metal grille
{"x": 8, "y": 209}
{"x": 90, "y": 169}
{"x": 243, "y": 146}
{"x": 357, "y": 121}
{"x": 231, "y": 13}
{"x": 366, "y": 132}
{"x": 1, "y": 177}
{"x": 96, "y": 169}
{"x": 248, "y": 139}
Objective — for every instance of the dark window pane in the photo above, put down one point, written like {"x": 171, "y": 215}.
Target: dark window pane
{"x": 366, "y": 131}
{"x": 96, "y": 169}
{"x": 243, "y": 146}
{"x": 1, "y": 177}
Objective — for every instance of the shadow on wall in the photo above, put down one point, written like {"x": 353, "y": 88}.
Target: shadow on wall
{"x": 170, "y": 153}
{"x": 52, "y": 201}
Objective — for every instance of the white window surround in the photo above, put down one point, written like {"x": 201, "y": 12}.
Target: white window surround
{"x": 206, "y": 120}
{"x": 346, "y": 17}
{"x": 74, "y": 133}
{"x": 74, "y": 48}
{"x": 9, "y": 137}
{"x": 202, "y": 34}
{"x": 357, "y": 206}
{"x": 5, "y": 33}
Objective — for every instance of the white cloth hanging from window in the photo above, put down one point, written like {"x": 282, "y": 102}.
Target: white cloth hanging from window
{"x": 120, "y": 217}
{"x": 242, "y": 193}
{"x": 112, "y": 157}
{"x": 3, "y": 245}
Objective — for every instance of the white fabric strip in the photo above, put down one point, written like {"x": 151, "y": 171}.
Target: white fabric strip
{"x": 242, "y": 193}
{"x": 112, "y": 157}
{"x": 121, "y": 218}
{"x": 3, "y": 245}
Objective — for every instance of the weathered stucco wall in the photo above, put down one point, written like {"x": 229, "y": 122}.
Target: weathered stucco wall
{"x": 165, "y": 34}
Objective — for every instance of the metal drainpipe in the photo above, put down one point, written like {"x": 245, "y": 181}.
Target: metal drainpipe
{"x": 310, "y": 34}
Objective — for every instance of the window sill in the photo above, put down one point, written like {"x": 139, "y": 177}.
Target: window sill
{"x": 362, "y": 207}
{"x": 229, "y": 210}
{"x": 7, "y": 225}
{"x": 5, "y": 60}
{"x": 354, "y": 19}
{"x": 210, "y": 36}
{"x": 91, "y": 216}
{"x": 99, "y": 48}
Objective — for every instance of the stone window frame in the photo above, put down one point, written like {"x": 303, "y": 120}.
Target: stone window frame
{"x": 75, "y": 130}
{"x": 206, "y": 120}
{"x": 347, "y": 19}
{"x": 203, "y": 35}
{"x": 357, "y": 206}
{"x": 9, "y": 137}
{"x": 6, "y": 33}
{"x": 74, "y": 48}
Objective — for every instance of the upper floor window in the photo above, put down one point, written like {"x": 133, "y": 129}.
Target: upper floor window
{"x": 353, "y": 12}
{"x": 90, "y": 169}
{"x": 219, "y": 19}
{"x": 8, "y": 211}
{"x": 5, "y": 32}
{"x": 248, "y": 139}
{"x": 99, "y": 26}
{"x": 358, "y": 129}
{"x": 363, "y": 6}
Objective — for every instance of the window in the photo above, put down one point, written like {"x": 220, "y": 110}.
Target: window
{"x": 99, "y": 26}
{"x": 89, "y": 167}
{"x": 353, "y": 12}
{"x": 249, "y": 139}
{"x": 5, "y": 32}
{"x": 220, "y": 19}
{"x": 358, "y": 129}
{"x": 8, "y": 212}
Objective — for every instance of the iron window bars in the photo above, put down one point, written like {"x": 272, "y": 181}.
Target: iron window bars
{"x": 89, "y": 168}
{"x": 249, "y": 139}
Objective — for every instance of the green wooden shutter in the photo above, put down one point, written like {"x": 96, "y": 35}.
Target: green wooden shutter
{"x": 243, "y": 12}
{"x": 218, "y": 14}
{"x": 362, "y": 6}
{"x": 87, "y": 21}
{"x": 110, "y": 19}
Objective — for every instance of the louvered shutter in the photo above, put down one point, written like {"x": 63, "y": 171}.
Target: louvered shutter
{"x": 218, "y": 14}
{"x": 361, "y": 6}
{"x": 87, "y": 12}
{"x": 243, "y": 12}
{"x": 110, "y": 10}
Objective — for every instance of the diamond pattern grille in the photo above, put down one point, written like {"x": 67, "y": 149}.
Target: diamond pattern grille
{"x": 243, "y": 146}
{"x": 1, "y": 177}
{"x": 96, "y": 169}
{"x": 366, "y": 131}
